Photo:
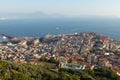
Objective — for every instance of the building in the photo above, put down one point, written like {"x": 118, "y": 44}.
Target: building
{"x": 77, "y": 67}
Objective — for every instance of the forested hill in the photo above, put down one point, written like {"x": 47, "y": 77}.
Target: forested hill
{"x": 20, "y": 71}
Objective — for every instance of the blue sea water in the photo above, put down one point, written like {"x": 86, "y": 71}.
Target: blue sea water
{"x": 41, "y": 27}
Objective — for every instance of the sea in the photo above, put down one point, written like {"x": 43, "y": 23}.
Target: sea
{"x": 43, "y": 26}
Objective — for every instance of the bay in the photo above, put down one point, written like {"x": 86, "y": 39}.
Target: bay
{"x": 42, "y": 27}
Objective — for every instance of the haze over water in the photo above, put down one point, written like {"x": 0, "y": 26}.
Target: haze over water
{"x": 41, "y": 27}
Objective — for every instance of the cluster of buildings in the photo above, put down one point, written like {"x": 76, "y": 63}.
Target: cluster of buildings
{"x": 87, "y": 48}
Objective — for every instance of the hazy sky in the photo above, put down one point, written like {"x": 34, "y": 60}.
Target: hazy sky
{"x": 62, "y": 7}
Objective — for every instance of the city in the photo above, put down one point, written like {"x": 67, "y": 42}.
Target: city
{"x": 88, "y": 49}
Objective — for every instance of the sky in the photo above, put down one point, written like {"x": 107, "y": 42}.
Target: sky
{"x": 61, "y": 7}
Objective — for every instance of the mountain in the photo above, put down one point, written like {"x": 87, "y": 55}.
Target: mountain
{"x": 34, "y": 15}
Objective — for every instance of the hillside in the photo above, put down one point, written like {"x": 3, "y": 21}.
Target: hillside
{"x": 20, "y": 71}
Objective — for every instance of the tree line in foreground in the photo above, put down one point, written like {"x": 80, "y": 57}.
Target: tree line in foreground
{"x": 22, "y": 71}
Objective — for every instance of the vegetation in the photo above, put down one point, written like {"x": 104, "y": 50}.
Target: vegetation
{"x": 20, "y": 71}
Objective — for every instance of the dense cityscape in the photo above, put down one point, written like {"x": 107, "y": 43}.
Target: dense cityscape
{"x": 87, "y": 49}
{"x": 60, "y": 40}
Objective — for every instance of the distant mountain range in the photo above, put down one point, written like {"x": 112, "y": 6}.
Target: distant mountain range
{"x": 34, "y": 15}
{"x": 39, "y": 14}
